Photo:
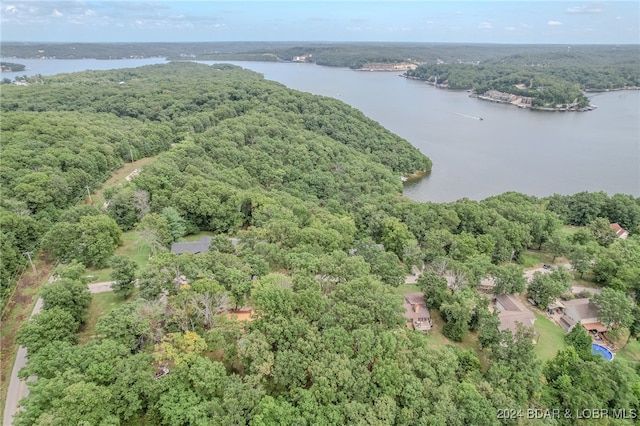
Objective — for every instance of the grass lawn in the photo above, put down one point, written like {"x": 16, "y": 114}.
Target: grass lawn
{"x": 569, "y": 230}
{"x": 631, "y": 352}
{"x": 435, "y": 336}
{"x": 407, "y": 288}
{"x": 550, "y": 337}
{"x": 118, "y": 177}
{"x": 131, "y": 248}
{"x": 531, "y": 258}
{"x": 195, "y": 237}
{"x": 101, "y": 304}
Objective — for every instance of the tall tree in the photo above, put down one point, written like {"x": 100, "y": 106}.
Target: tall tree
{"x": 602, "y": 232}
{"x": 557, "y": 245}
{"x": 177, "y": 227}
{"x": 55, "y": 324}
{"x": 124, "y": 274}
{"x": 545, "y": 288}
{"x": 616, "y": 308}
{"x": 580, "y": 340}
{"x": 458, "y": 310}
{"x": 71, "y": 295}
{"x": 435, "y": 288}
{"x": 509, "y": 279}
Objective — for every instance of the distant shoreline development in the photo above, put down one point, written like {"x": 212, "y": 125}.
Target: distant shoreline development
{"x": 526, "y": 102}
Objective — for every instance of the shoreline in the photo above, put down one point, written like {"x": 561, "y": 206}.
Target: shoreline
{"x": 415, "y": 175}
{"x": 518, "y": 99}
{"x": 514, "y": 100}
{"x": 517, "y": 102}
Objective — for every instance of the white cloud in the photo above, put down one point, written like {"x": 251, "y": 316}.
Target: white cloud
{"x": 554, "y": 23}
{"x": 89, "y": 12}
{"x": 583, "y": 10}
{"x": 57, "y": 13}
{"x": 10, "y": 9}
{"x": 485, "y": 25}
{"x": 510, "y": 28}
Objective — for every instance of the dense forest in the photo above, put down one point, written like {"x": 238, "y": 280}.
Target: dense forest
{"x": 548, "y": 78}
{"x": 310, "y": 190}
{"x": 545, "y": 75}
{"x": 337, "y": 54}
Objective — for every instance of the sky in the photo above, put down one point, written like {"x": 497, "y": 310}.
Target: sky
{"x": 556, "y": 22}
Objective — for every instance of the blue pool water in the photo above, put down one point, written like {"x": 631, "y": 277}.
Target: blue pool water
{"x": 602, "y": 351}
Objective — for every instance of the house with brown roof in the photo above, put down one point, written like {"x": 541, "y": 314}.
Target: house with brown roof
{"x": 416, "y": 312}
{"x": 619, "y": 230}
{"x": 581, "y": 311}
{"x": 512, "y": 312}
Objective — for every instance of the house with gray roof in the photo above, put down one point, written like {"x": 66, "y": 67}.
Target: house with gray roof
{"x": 200, "y": 246}
{"x": 512, "y": 312}
{"x": 581, "y": 311}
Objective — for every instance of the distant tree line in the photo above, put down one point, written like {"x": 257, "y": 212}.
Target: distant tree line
{"x": 11, "y": 67}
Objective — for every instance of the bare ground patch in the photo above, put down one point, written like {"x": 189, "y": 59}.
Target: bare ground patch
{"x": 119, "y": 176}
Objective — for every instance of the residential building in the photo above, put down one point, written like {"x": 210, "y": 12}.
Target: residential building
{"x": 619, "y": 230}
{"x": 512, "y": 312}
{"x": 200, "y": 246}
{"x": 580, "y": 311}
{"x": 416, "y": 312}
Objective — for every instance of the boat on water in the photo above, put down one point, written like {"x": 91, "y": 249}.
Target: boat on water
{"x": 470, "y": 116}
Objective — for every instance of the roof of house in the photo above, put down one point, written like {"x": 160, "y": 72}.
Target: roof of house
{"x": 512, "y": 312}
{"x": 200, "y": 246}
{"x": 580, "y": 309}
{"x": 415, "y": 307}
{"x": 619, "y": 230}
{"x": 597, "y": 326}
{"x": 567, "y": 322}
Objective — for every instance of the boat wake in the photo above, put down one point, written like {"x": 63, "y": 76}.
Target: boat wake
{"x": 469, "y": 116}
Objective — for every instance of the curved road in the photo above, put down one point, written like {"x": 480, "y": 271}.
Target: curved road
{"x": 18, "y": 389}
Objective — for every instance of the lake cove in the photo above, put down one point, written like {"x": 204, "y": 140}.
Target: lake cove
{"x": 510, "y": 149}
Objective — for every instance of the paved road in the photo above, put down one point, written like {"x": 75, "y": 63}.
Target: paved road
{"x": 18, "y": 389}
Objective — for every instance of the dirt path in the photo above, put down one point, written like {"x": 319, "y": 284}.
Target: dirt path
{"x": 119, "y": 176}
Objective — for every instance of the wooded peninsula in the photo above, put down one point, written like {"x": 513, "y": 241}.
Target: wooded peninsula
{"x": 299, "y": 201}
{"x": 544, "y": 77}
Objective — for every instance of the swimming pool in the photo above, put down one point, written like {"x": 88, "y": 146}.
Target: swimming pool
{"x": 602, "y": 351}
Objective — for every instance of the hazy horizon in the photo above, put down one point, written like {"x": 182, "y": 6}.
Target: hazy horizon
{"x": 471, "y": 22}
